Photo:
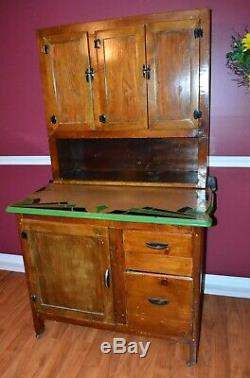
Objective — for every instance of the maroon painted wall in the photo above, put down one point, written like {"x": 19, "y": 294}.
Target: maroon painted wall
{"x": 23, "y": 129}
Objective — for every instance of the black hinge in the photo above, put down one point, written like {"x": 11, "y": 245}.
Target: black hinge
{"x": 197, "y": 114}
{"x": 24, "y": 235}
{"x": 53, "y": 119}
{"x": 198, "y": 33}
{"x": 33, "y": 298}
{"x": 97, "y": 43}
{"x": 102, "y": 118}
{"x": 46, "y": 49}
{"x": 146, "y": 71}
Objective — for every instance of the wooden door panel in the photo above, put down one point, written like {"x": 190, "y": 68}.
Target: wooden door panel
{"x": 173, "y": 90}
{"x": 69, "y": 264}
{"x": 119, "y": 85}
{"x": 59, "y": 261}
{"x": 68, "y": 95}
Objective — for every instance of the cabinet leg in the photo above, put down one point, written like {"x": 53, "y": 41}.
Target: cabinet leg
{"x": 193, "y": 352}
{"x": 38, "y": 324}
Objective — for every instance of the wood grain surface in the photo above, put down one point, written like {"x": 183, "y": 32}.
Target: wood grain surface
{"x": 173, "y": 91}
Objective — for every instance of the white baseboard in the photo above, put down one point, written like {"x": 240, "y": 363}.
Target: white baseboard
{"x": 229, "y": 161}
{"x": 11, "y": 262}
{"x": 214, "y": 284}
{"x": 213, "y": 161}
{"x": 25, "y": 160}
{"x": 227, "y": 286}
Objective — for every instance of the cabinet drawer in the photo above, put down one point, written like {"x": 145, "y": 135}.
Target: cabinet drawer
{"x": 159, "y": 304}
{"x": 159, "y": 252}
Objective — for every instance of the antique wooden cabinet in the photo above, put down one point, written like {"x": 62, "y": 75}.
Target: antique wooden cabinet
{"x": 116, "y": 239}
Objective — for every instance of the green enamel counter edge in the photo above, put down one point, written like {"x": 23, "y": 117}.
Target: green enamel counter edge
{"x": 202, "y": 222}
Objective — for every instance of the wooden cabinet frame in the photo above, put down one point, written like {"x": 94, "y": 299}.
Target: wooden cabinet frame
{"x": 116, "y": 240}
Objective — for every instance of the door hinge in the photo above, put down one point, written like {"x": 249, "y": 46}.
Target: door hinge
{"x": 33, "y": 298}
{"x": 102, "y": 118}
{"x": 197, "y": 114}
{"x": 97, "y": 43}
{"x": 24, "y": 235}
{"x": 46, "y": 49}
{"x": 53, "y": 119}
{"x": 89, "y": 74}
{"x": 146, "y": 71}
{"x": 198, "y": 32}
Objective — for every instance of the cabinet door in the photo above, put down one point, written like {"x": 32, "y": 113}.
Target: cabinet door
{"x": 69, "y": 266}
{"x": 68, "y": 95}
{"x": 120, "y": 98}
{"x": 173, "y": 89}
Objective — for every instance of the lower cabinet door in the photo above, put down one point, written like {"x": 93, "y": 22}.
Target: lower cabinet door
{"x": 69, "y": 269}
{"x": 159, "y": 304}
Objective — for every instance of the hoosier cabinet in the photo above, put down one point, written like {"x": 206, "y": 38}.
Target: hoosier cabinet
{"x": 116, "y": 239}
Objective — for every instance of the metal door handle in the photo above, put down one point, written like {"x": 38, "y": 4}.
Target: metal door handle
{"x": 107, "y": 278}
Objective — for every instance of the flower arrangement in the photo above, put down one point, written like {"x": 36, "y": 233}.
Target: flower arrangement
{"x": 238, "y": 59}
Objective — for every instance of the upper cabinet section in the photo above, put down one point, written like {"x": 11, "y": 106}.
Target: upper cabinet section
{"x": 143, "y": 76}
{"x": 68, "y": 93}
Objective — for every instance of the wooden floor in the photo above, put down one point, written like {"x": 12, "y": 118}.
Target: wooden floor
{"x": 72, "y": 351}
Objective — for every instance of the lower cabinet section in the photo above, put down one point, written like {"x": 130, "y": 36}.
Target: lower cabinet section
{"x": 159, "y": 304}
{"x": 130, "y": 277}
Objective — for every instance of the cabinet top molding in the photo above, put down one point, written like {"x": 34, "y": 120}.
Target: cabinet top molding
{"x": 202, "y": 14}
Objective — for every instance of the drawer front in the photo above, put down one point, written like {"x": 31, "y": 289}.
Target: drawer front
{"x": 159, "y": 304}
{"x": 159, "y": 252}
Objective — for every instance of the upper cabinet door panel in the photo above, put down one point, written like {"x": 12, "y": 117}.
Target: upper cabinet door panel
{"x": 173, "y": 89}
{"x": 119, "y": 86}
{"x": 68, "y": 95}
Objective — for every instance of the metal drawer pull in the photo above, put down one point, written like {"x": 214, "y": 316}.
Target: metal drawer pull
{"x": 156, "y": 245}
{"x": 158, "y": 301}
{"x": 106, "y": 278}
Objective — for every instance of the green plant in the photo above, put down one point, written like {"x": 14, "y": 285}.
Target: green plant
{"x": 238, "y": 59}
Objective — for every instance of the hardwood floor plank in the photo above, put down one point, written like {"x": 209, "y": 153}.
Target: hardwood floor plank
{"x": 71, "y": 351}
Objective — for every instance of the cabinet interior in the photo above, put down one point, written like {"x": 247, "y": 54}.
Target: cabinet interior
{"x": 141, "y": 160}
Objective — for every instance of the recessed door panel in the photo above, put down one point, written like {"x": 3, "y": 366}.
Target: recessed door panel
{"x": 68, "y": 92}
{"x": 173, "y": 90}
{"x": 119, "y": 86}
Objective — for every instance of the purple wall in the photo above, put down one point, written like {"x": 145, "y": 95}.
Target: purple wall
{"x": 23, "y": 129}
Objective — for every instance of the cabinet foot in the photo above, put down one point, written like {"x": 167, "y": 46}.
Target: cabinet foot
{"x": 38, "y": 325}
{"x": 193, "y": 351}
